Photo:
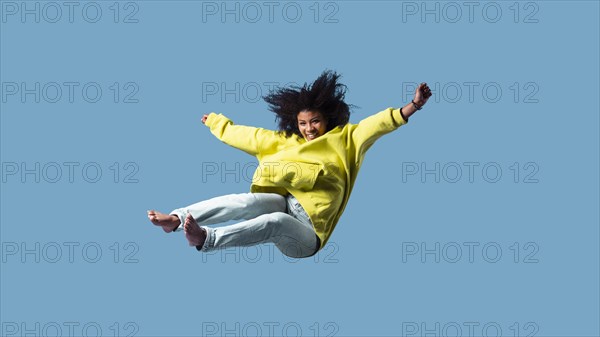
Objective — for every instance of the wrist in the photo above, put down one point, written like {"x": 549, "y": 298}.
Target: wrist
{"x": 417, "y": 105}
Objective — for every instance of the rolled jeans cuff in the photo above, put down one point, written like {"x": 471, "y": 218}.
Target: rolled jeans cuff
{"x": 209, "y": 242}
{"x": 181, "y": 214}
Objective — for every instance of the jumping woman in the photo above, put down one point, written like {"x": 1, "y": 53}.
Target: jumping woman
{"x": 305, "y": 174}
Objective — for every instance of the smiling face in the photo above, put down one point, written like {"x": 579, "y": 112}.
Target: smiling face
{"x": 311, "y": 124}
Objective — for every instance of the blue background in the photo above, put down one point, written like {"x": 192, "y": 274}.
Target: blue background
{"x": 364, "y": 282}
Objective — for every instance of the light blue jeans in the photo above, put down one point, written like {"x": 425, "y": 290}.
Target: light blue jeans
{"x": 269, "y": 217}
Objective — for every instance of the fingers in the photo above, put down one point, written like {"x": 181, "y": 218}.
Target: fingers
{"x": 424, "y": 88}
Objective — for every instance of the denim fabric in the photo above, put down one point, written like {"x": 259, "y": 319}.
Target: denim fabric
{"x": 269, "y": 217}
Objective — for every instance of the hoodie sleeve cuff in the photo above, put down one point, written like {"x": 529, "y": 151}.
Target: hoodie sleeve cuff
{"x": 398, "y": 117}
{"x": 211, "y": 120}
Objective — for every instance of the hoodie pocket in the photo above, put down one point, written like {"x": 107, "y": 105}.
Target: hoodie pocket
{"x": 301, "y": 176}
{"x": 289, "y": 174}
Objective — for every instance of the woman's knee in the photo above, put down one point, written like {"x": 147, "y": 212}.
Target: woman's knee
{"x": 295, "y": 249}
{"x": 287, "y": 237}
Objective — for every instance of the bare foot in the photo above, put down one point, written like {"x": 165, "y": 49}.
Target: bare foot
{"x": 166, "y": 221}
{"x": 195, "y": 234}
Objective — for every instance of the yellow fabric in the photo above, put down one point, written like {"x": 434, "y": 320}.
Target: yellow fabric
{"x": 320, "y": 173}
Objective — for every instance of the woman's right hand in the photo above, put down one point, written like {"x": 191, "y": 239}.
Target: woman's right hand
{"x": 204, "y": 119}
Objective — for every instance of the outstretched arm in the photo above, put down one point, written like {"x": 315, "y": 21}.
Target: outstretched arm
{"x": 249, "y": 139}
{"x": 422, "y": 95}
{"x": 368, "y": 130}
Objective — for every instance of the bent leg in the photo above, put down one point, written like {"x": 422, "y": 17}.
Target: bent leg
{"x": 232, "y": 207}
{"x": 292, "y": 237}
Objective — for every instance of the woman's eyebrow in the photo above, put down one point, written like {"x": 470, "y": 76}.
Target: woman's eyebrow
{"x": 311, "y": 120}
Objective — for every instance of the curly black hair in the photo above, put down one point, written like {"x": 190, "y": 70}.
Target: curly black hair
{"x": 324, "y": 95}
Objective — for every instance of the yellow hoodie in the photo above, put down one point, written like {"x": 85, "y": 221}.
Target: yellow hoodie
{"x": 319, "y": 173}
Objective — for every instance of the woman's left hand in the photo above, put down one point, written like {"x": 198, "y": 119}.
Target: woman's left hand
{"x": 422, "y": 94}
